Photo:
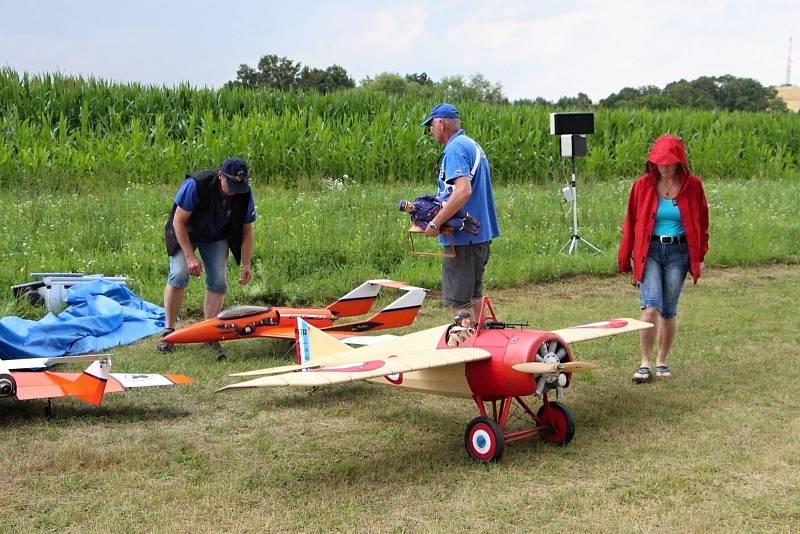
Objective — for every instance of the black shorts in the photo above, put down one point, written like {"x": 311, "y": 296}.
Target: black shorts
{"x": 462, "y": 276}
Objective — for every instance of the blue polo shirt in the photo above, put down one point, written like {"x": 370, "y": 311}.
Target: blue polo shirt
{"x": 221, "y": 205}
{"x": 458, "y": 159}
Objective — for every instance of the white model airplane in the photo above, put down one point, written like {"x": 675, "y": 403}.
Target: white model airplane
{"x": 29, "y": 378}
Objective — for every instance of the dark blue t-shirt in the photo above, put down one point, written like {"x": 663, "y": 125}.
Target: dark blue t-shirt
{"x": 187, "y": 198}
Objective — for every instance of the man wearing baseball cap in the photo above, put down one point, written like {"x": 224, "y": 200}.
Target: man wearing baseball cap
{"x": 464, "y": 181}
{"x": 213, "y": 212}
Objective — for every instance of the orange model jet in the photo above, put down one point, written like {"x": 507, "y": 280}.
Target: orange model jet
{"x": 19, "y": 379}
{"x": 267, "y": 321}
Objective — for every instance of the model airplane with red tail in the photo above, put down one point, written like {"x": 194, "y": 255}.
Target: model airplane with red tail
{"x": 243, "y": 322}
{"x": 24, "y": 379}
{"x": 499, "y": 364}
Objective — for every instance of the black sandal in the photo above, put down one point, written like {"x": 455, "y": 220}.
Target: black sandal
{"x": 663, "y": 371}
{"x": 642, "y": 375}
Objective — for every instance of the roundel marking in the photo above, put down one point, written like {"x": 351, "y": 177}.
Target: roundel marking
{"x": 481, "y": 441}
{"x": 358, "y": 367}
{"x": 616, "y": 323}
{"x": 396, "y": 378}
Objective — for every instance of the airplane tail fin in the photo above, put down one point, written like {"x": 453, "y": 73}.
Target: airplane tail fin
{"x": 360, "y": 300}
{"x": 313, "y": 344}
{"x": 401, "y": 312}
{"x": 90, "y": 386}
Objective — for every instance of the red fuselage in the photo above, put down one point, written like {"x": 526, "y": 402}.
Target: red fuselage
{"x": 495, "y": 378}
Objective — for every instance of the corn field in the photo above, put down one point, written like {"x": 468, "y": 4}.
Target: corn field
{"x": 62, "y": 132}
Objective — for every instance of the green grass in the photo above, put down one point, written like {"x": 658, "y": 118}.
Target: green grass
{"x": 316, "y": 243}
{"x": 714, "y": 448}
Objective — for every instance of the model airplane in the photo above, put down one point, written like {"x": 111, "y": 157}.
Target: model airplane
{"x": 19, "y": 379}
{"x": 267, "y": 321}
{"x": 499, "y": 364}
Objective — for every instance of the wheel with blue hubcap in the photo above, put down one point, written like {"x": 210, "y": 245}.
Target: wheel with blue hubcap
{"x": 484, "y": 439}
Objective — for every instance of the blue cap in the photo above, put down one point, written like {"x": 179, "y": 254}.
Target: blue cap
{"x": 442, "y": 111}
{"x": 235, "y": 170}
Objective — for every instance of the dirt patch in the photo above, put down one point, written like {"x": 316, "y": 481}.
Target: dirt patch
{"x": 573, "y": 287}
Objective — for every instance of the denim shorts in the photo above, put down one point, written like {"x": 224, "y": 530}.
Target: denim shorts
{"x": 664, "y": 273}
{"x": 462, "y": 276}
{"x": 215, "y": 265}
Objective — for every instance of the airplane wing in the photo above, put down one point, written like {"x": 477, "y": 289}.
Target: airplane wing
{"x": 360, "y": 341}
{"x": 277, "y": 332}
{"x": 89, "y": 386}
{"x": 600, "y": 329}
{"x": 404, "y": 354}
{"x": 404, "y": 361}
{"x": 40, "y": 363}
{"x": 346, "y": 337}
{"x": 149, "y": 380}
{"x": 50, "y": 385}
{"x": 288, "y": 332}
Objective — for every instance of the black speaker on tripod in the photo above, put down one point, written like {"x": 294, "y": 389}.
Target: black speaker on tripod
{"x": 573, "y": 128}
{"x": 572, "y": 122}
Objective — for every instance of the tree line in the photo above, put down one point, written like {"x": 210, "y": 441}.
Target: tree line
{"x": 283, "y": 74}
{"x": 728, "y": 93}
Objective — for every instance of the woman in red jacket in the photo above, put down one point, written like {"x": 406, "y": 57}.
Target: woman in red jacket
{"x": 664, "y": 236}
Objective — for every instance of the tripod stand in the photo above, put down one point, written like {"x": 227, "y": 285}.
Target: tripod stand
{"x": 575, "y": 238}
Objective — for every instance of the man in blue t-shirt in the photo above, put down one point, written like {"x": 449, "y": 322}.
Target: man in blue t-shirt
{"x": 464, "y": 181}
{"x": 213, "y": 212}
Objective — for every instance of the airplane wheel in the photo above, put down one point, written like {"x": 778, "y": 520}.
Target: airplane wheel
{"x": 8, "y": 386}
{"x": 559, "y": 423}
{"x": 484, "y": 440}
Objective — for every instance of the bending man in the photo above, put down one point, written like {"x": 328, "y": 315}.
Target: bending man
{"x": 213, "y": 212}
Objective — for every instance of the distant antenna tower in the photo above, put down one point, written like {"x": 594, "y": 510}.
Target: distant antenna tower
{"x": 789, "y": 64}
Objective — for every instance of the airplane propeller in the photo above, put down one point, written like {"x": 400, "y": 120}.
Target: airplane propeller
{"x": 538, "y": 368}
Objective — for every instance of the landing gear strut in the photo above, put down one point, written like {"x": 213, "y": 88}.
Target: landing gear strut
{"x": 485, "y": 437}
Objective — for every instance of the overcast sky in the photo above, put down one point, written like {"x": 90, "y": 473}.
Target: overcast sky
{"x": 549, "y": 49}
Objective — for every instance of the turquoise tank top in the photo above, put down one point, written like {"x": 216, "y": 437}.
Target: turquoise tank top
{"x": 668, "y": 219}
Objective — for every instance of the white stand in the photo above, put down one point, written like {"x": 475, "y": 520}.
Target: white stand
{"x": 572, "y": 244}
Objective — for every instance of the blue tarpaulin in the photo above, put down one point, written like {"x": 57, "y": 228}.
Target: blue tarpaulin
{"x": 100, "y": 315}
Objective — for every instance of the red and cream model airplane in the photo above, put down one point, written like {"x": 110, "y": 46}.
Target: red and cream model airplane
{"x": 267, "y": 321}
{"x": 24, "y": 379}
{"x": 499, "y": 364}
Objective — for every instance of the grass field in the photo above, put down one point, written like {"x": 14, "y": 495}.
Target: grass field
{"x": 712, "y": 449}
{"x": 314, "y": 244}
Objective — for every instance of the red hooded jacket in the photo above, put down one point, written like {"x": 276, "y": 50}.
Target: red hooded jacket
{"x": 643, "y": 204}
